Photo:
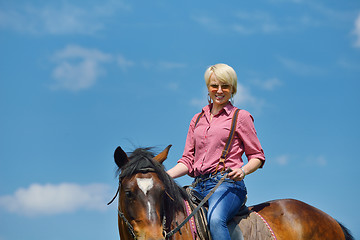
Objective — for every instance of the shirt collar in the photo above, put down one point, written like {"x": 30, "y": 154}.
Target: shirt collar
{"x": 227, "y": 108}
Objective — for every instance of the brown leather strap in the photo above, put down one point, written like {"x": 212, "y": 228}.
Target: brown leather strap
{"x": 228, "y": 142}
{"x": 198, "y": 118}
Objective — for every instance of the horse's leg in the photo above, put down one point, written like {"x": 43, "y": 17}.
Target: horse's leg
{"x": 293, "y": 219}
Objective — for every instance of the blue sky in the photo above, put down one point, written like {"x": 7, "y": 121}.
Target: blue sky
{"x": 79, "y": 78}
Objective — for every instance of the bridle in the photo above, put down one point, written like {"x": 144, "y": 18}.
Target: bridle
{"x": 179, "y": 226}
{"x": 130, "y": 228}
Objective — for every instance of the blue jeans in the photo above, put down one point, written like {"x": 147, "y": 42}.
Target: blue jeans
{"x": 223, "y": 204}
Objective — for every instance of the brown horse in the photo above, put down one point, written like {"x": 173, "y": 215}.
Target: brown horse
{"x": 152, "y": 206}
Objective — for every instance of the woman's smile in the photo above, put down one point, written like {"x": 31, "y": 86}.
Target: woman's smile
{"x": 219, "y": 92}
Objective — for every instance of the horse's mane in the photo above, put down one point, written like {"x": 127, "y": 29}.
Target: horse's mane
{"x": 141, "y": 160}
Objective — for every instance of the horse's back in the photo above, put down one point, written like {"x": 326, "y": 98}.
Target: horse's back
{"x": 293, "y": 219}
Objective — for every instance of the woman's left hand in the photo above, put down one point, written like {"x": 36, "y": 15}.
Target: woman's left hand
{"x": 237, "y": 174}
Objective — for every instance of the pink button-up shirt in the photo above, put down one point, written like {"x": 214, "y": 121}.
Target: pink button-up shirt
{"x": 205, "y": 141}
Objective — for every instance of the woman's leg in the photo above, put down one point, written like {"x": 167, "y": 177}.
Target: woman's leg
{"x": 223, "y": 205}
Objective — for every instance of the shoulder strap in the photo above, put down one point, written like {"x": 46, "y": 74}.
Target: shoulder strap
{"x": 229, "y": 140}
{"x": 198, "y": 118}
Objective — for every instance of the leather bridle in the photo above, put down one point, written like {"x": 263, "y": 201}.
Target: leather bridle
{"x": 130, "y": 228}
{"x": 179, "y": 226}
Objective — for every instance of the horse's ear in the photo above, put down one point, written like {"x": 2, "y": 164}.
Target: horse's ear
{"x": 163, "y": 155}
{"x": 120, "y": 157}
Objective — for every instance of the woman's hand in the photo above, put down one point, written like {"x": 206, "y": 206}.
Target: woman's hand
{"x": 237, "y": 174}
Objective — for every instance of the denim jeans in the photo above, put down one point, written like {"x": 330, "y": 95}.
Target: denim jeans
{"x": 223, "y": 204}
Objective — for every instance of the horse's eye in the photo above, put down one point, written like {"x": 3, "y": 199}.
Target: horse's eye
{"x": 128, "y": 194}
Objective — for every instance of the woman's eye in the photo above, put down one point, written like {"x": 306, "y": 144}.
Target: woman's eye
{"x": 225, "y": 86}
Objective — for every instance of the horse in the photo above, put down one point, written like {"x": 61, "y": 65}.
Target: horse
{"x": 151, "y": 206}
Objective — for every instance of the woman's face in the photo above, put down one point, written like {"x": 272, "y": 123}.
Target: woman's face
{"x": 219, "y": 92}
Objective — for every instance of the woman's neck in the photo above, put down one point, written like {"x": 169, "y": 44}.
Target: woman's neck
{"x": 216, "y": 108}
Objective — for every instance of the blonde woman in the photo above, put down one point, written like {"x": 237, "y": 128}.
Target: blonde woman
{"x": 205, "y": 157}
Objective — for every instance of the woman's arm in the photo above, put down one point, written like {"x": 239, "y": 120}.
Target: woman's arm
{"x": 178, "y": 170}
{"x": 239, "y": 174}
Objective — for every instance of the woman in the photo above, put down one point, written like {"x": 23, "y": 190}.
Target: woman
{"x": 208, "y": 133}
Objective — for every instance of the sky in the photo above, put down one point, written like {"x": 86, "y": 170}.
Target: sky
{"x": 79, "y": 78}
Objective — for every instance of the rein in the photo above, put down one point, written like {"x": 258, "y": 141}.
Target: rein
{"x": 179, "y": 226}
{"x": 175, "y": 230}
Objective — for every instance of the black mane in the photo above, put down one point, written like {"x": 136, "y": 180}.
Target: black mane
{"x": 141, "y": 160}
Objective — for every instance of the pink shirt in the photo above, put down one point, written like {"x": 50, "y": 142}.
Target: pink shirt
{"x": 205, "y": 143}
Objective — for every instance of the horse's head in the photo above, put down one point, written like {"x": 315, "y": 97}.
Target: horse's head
{"x": 147, "y": 195}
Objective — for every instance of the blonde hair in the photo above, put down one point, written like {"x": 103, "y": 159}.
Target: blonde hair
{"x": 224, "y": 73}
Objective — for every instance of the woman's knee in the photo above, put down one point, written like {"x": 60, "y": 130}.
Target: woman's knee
{"x": 216, "y": 221}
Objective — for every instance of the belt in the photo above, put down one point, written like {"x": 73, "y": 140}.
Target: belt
{"x": 205, "y": 177}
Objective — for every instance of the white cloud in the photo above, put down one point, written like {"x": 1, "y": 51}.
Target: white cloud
{"x": 124, "y": 63}
{"x": 201, "y": 101}
{"x": 356, "y": 31}
{"x": 249, "y": 22}
{"x": 282, "y": 160}
{"x": 245, "y": 99}
{"x": 209, "y": 22}
{"x": 78, "y": 68}
{"x": 300, "y": 67}
{"x": 162, "y": 65}
{"x": 320, "y": 160}
{"x": 243, "y": 95}
{"x": 349, "y": 64}
{"x": 254, "y": 22}
{"x": 52, "y": 199}
{"x": 173, "y": 86}
{"x": 268, "y": 84}
{"x": 320, "y": 11}
{"x": 58, "y": 18}
{"x": 243, "y": 29}
{"x": 291, "y": 1}
{"x": 166, "y": 65}
{"x": 245, "y": 23}
{"x": 74, "y": 51}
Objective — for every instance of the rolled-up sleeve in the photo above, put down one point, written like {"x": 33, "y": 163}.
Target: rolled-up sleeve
{"x": 246, "y": 131}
